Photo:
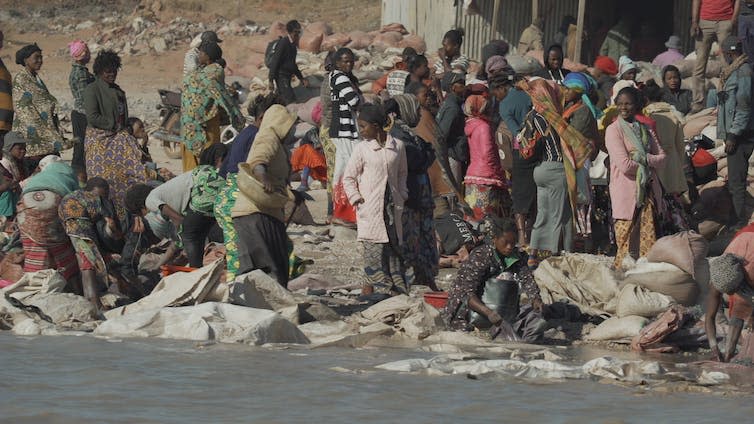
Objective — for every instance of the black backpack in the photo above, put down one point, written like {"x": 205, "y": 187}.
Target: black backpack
{"x": 269, "y": 53}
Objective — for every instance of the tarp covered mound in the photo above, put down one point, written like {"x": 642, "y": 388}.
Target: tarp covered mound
{"x": 580, "y": 279}
{"x": 411, "y": 316}
{"x": 210, "y": 321}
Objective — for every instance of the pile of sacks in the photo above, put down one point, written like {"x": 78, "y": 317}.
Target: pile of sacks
{"x": 674, "y": 272}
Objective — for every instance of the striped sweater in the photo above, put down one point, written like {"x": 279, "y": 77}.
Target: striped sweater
{"x": 6, "y": 98}
{"x": 346, "y": 96}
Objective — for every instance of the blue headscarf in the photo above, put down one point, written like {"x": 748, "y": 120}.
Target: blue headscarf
{"x": 585, "y": 84}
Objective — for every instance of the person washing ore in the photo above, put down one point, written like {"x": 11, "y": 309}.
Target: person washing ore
{"x": 485, "y": 292}
{"x": 731, "y": 274}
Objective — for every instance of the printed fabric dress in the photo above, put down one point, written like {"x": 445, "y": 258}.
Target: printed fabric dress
{"x": 226, "y": 199}
{"x": 204, "y": 94}
{"x": 116, "y": 157}
{"x": 79, "y": 212}
{"x": 35, "y": 115}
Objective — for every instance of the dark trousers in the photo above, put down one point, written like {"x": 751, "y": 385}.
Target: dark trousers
{"x": 78, "y": 120}
{"x": 284, "y": 89}
{"x": 738, "y": 168}
{"x": 196, "y": 229}
{"x": 746, "y": 30}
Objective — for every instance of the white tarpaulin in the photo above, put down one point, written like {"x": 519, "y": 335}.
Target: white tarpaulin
{"x": 219, "y": 322}
{"x": 179, "y": 289}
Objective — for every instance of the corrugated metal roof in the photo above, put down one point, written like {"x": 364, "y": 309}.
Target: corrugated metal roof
{"x": 432, "y": 18}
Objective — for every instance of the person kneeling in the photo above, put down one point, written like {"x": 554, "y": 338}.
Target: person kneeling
{"x": 92, "y": 223}
{"x": 485, "y": 292}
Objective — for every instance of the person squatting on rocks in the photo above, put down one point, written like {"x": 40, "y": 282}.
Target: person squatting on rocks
{"x": 494, "y": 272}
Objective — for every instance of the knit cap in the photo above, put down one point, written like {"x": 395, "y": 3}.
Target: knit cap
{"x": 726, "y": 273}
{"x": 625, "y": 64}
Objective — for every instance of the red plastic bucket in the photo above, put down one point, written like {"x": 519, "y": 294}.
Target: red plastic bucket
{"x": 436, "y": 299}
{"x": 172, "y": 269}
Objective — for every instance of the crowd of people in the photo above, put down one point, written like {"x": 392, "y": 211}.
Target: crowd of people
{"x": 530, "y": 165}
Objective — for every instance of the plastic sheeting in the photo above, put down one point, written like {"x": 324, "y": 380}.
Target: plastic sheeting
{"x": 210, "y": 321}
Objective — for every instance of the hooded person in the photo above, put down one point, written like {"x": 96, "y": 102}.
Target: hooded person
{"x": 553, "y": 60}
{"x": 258, "y": 215}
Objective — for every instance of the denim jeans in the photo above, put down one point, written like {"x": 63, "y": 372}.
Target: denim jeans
{"x": 746, "y": 30}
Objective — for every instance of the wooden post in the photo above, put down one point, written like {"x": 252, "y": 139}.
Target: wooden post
{"x": 495, "y": 20}
{"x": 579, "y": 30}
{"x": 534, "y": 9}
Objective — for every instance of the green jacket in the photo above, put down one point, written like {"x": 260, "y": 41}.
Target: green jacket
{"x": 101, "y": 105}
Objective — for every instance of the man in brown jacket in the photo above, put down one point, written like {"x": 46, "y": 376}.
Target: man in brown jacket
{"x": 6, "y": 97}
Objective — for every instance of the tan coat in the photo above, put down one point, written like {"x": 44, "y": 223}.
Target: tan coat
{"x": 670, "y": 135}
{"x": 531, "y": 39}
{"x": 268, "y": 150}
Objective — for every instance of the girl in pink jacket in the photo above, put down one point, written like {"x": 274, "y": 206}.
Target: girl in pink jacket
{"x": 634, "y": 186}
{"x": 375, "y": 183}
{"x": 486, "y": 188}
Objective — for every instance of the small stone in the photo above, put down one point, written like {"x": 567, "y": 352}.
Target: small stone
{"x": 159, "y": 45}
{"x": 84, "y": 25}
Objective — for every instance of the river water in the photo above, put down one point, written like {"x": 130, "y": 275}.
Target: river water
{"x": 88, "y": 380}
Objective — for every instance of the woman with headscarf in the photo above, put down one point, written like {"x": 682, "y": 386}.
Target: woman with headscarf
{"x": 582, "y": 115}
{"x": 419, "y": 243}
{"x": 561, "y": 151}
{"x": 346, "y": 98}
{"x": 485, "y": 183}
{"x": 45, "y": 243}
{"x": 495, "y": 48}
{"x": 78, "y": 80}
{"x": 35, "y": 116}
{"x": 13, "y": 172}
{"x": 553, "y": 69}
{"x": 203, "y": 97}
{"x": 375, "y": 183}
{"x": 258, "y": 215}
{"x": 111, "y": 152}
{"x": 634, "y": 188}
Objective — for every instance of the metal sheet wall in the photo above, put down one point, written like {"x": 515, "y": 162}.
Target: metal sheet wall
{"x": 432, "y": 18}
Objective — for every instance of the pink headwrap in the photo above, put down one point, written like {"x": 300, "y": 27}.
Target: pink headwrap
{"x": 495, "y": 64}
{"x": 317, "y": 113}
{"x": 78, "y": 49}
